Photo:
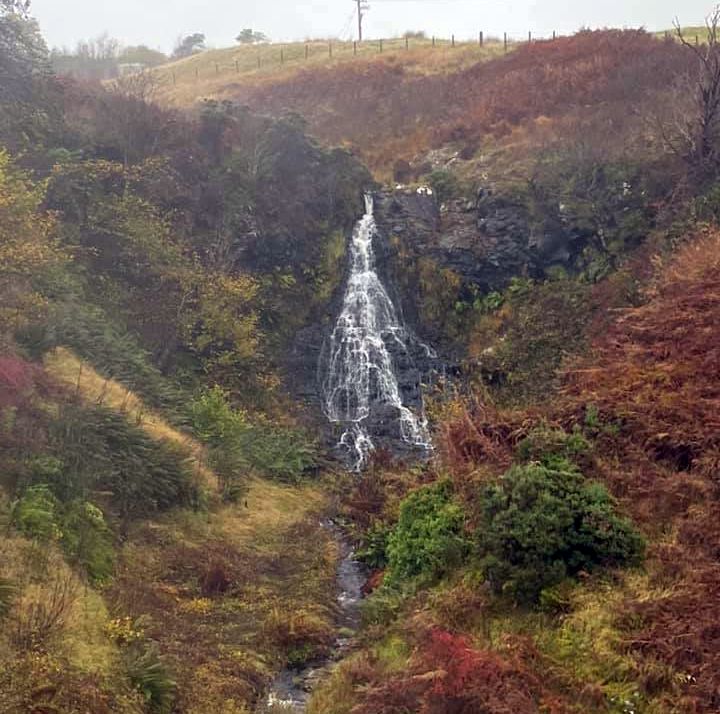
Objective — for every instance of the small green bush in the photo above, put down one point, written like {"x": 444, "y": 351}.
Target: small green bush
{"x": 149, "y": 674}
{"x": 445, "y": 184}
{"x": 88, "y": 540}
{"x": 374, "y": 550}
{"x": 35, "y": 514}
{"x": 545, "y": 443}
{"x": 542, "y": 524}
{"x": 101, "y": 450}
{"x": 429, "y": 538}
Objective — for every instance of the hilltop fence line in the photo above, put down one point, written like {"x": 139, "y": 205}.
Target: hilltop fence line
{"x": 281, "y": 54}
{"x": 274, "y": 55}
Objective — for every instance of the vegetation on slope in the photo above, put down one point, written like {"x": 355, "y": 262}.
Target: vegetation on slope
{"x": 560, "y": 552}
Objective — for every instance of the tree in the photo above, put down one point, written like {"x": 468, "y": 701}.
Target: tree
{"x": 25, "y": 107}
{"x": 141, "y": 54}
{"x": 251, "y": 37}
{"x": 189, "y": 45}
{"x": 16, "y": 7}
{"x": 694, "y": 131}
{"x": 27, "y": 248}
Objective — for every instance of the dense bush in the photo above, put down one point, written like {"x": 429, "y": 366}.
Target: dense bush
{"x": 35, "y": 513}
{"x": 541, "y": 524}
{"x": 239, "y": 445}
{"x": 445, "y": 184}
{"x": 538, "y": 325}
{"x": 112, "y": 351}
{"x": 429, "y": 538}
{"x": 374, "y": 550}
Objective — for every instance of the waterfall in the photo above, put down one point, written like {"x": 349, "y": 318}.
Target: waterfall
{"x": 360, "y": 375}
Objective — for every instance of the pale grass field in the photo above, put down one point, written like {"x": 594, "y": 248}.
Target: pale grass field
{"x": 224, "y": 73}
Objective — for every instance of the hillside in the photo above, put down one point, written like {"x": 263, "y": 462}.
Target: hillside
{"x": 398, "y": 106}
{"x": 270, "y": 446}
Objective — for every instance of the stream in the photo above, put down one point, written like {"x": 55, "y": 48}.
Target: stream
{"x": 290, "y": 691}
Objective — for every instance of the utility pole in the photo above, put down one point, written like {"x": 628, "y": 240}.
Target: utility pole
{"x": 362, "y": 7}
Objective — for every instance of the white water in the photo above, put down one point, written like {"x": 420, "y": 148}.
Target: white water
{"x": 360, "y": 372}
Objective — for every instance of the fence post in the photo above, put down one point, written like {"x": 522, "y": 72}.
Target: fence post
{"x": 482, "y": 38}
{"x": 433, "y": 41}
{"x": 453, "y": 40}
{"x": 380, "y": 45}
{"x": 217, "y": 68}
{"x": 407, "y": 43}
{"x": 505, "y": 41}
{"x": 355, "y": 47}
{"x": 554, "y": 35}
{"x": 529, "y": 36}
{"x": 697, "y": 40}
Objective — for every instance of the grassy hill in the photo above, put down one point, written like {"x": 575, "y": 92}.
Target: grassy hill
{"x": 400, "y": 104}
{"x": 217, "y": 72}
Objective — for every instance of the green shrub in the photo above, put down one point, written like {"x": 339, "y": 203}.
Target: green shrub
{"x": 280, "y": 452}
{"x": 541, "y": 524}
{"x": 149, "y": 674}
{"x": 112, "y": 350}
{"x": 545, "y": 443}
{"x": 445, "y": 184}
{"x": 35, "y": 514}
{"x": 374, "y": 550}
{"x": 238, "y": 445}
{"x": 383, "y": 606}
{"x": 88, "y": 540}
{"x": 428, "y": 539}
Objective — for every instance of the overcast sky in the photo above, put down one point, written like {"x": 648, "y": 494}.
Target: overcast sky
{"x": 158, "y": 23}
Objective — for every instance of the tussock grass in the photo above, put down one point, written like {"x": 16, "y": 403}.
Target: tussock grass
{"x": 76, "y": 374}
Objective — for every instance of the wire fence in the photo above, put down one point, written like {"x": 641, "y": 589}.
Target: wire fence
{"x": 245, "y": 59}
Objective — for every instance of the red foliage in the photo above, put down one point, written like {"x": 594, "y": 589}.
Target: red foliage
{"x": 17, "y": 378}
{"x": 656, "y": 368}
{"x": 476, "y": 434}
{"x": 448, "y": 676}
{"x": 385, "y": 108}
{"x": 373, "y": 582}
{"x": 655, "y": 372}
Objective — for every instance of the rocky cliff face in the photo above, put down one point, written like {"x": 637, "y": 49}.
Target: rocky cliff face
{"x": 484, "y": 242}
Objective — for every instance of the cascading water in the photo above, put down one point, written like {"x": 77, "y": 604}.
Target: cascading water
{"x": 360, "y": 374}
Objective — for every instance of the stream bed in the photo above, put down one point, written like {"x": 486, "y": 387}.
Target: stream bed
{"x": 291, "y": 688}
